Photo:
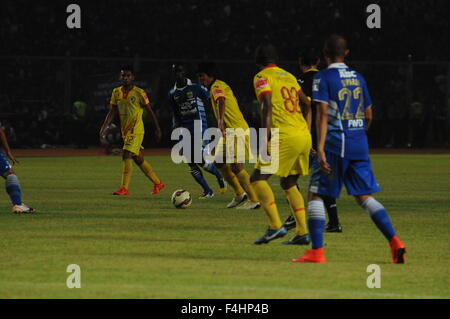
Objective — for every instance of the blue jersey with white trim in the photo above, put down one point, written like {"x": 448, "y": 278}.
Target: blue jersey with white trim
{"x": 188, "y": 104}
{"x": 345, "y": 91}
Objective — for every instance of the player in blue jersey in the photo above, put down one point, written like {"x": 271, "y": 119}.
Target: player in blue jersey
{"x": 188, "y": 104}
{"x": 344, "y": 107}
{"x": 11, "y": 180}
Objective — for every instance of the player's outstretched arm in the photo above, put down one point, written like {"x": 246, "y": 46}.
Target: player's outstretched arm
{"x": 6, "y": 148}
{"x": 221, "y": 114}
{"x": 305, "y": 104}
{"x": 322, "y": 127}
{"x": 108, "y": 120}
{"x": 266, "y": 118}
{"x": 154, "y": 122}
{"x": 369, "y": 117}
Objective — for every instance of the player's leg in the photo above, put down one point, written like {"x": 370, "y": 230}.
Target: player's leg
{"x": 197, "y": 174}
{"x": 239, "y": 194}
{"x": 321, "y": 184}
{"x": 127, "y": 169}
{"x": 267, "y": 200}
{"x": 12, "y": 186}
{"x": 297, "y": 205}
{"x": 149, "y": 172}
{"x": 360, "y": 182}
{"x": 244, "y": 181}
{"x": 333, "y": 225}
{"x": 212, "y": 169}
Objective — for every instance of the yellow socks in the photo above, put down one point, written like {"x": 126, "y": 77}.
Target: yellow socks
{"x": 231, "y": 179}
{"x": 297, "y": 204}
{"x": 127, "y": 169}
{"x": 244, "y": 180}
{"x": 267, "y": 200}
{"x": 147, "y": 169}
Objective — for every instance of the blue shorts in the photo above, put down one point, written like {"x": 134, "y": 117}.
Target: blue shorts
{"x": 357, "y": 175}
{"x": 4, "y": 164}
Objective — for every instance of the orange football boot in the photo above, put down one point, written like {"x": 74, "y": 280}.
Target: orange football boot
{"x": 121, "y": 191}
{"x": 312, "y": 256}
{"x": 398, "y": 250}
{"x": 157, "y": 188}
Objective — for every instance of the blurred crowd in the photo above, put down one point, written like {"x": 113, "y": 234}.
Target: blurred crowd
{"x": 40, "y": 96}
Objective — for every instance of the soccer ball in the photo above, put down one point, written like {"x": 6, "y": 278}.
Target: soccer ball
{"x": 181, "y": 198}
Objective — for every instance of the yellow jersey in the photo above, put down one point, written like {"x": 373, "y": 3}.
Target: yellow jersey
{"x": 130, "y": 105}
{"x": 233, "y": 117}
{"x": 286, "y": 113}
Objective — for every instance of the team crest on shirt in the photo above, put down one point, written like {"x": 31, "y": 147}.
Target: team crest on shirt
{"x": 189, "y": 95}
{"x": 261, "y": 83}
{"x": 133, "y": 99}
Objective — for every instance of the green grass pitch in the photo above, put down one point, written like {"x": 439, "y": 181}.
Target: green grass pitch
{"x": 141, "y": 247}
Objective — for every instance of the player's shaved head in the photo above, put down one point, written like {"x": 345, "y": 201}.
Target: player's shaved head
{"x": 266, "y": 54}
{"x": 335, "y": 47}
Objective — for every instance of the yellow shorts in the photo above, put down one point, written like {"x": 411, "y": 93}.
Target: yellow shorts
{"x": 291, "y": 157}
{"x": 237, "y": 151}
{"x": 133, "y": 143}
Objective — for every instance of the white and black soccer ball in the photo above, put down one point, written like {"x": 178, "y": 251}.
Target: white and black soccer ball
{"x": 181, "y": 198}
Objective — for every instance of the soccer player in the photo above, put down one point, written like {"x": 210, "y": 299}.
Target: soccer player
{"x": 11, "y": 180}
{"x": 280, "y": 94}
{"x": 129, "y": 102}
{"x": 188, "y": 104}
{"x": 344, "y": 106}
{"x": 229, "y": 116}
{"x": 309, "y": 62}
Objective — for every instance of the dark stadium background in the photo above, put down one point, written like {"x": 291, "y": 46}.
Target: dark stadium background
{"x": 47, "y": 68}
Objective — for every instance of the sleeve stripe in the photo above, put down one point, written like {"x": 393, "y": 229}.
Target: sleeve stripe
{"x": 264, "y": 92}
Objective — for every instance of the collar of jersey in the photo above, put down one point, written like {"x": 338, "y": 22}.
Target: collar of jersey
{"x": 312, "y": 69}
{"x": 188, "y": 82}
{"x": 338, "y": 65}
{"x": 269, "y": 66}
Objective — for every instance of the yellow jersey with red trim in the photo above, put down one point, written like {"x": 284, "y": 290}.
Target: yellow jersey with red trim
{"x": 233, "y": 117}
{"x": 130, "y": 105}
{"x": 283, "y": 87}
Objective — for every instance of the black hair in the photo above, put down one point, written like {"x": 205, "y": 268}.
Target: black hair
{"x": 127, "y": 68}
{"x": 209, "y": 68}
{"x": 309, "y": 57}
{"x": 266, "y": 54}
{"x": 177, "y": 67}
{"x": 335, "y": 46}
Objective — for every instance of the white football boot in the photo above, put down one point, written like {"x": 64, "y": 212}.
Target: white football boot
{"x": 22, "y": 209}
{"x": 237, "y": 200}
{"x": 249, "y": 205}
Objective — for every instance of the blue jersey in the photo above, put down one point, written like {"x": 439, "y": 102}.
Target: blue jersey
{"x": 188, "y": 104}
{"x": 345, "y": 91}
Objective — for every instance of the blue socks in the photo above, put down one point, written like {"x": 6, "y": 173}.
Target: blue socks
{"x": 212, "y": 169}
{"x": 13, "y": 189}
{"x": 316, "y": 222}
{"x": 198, "y": 176}
{"x": 379, "y": 217}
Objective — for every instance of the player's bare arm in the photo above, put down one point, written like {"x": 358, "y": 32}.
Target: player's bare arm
{"x": 6, "y": 147}
{"x": 322, "y": 126}
{"x": 108, "y": 120}
{"x": 154, "y": 122}
{"x": 369, "y": 117}
{"x": 305, "y": 105}
{"x": 266, "y": 102}
{"x": 221, "y": 114}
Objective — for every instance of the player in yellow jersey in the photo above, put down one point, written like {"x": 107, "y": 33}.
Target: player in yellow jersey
{"x": 229, "y": 116}
{"x": 280, "y": 95}
{"x": 129, "y": 102}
